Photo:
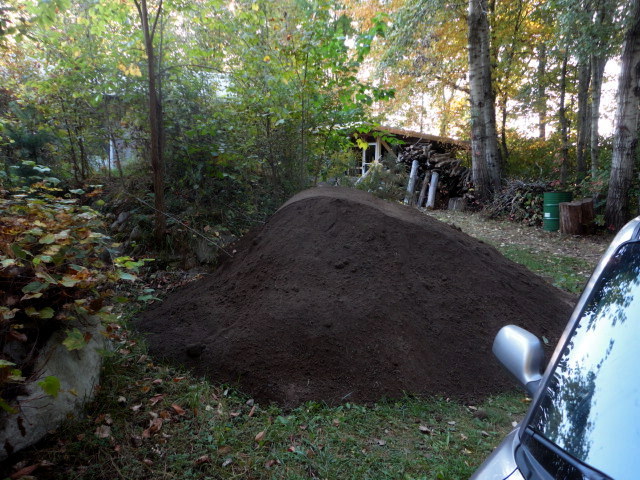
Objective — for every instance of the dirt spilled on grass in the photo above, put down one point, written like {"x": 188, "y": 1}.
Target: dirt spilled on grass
{"x": 344, "y": 297}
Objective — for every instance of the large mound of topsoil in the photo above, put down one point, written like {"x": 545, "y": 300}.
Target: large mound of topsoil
{"x": 344, "y": 297}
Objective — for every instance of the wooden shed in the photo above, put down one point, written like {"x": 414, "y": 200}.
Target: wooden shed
{"x": 378, "y": 146}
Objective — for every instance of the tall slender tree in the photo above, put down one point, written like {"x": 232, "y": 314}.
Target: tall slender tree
{"x": 627, "y": 125}
{"x": 149, "y": 28}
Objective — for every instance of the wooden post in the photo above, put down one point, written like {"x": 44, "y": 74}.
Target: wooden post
{"x": 423, "y": 190}
{"x": 576, "y": 218}
{"x": 433, "y": 185}
{"x": 412, "y": 182}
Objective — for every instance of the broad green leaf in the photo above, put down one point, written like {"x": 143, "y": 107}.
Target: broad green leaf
{"x": 127, "y": 276}
{"x": 5, "y": 363}
{"x": 19, "y": 251}
{"x": 74, "y": 340}
{"x": 48, "y": 239}
{"x": 50, "y": 385}
{"x": 34, "y": 287}
{"x": 77, "y": 191}
{"x": 46, "y": 313}
{"x": 68, "y": 281}
{"x": 7, "y": 262}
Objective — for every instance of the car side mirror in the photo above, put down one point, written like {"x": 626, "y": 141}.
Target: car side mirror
{"x": 520, "y": 352}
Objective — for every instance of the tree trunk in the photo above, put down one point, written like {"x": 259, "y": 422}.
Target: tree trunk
{"x": 541, "y": 94}
{"x": 155, "y": 119}
{"x": 504, "y": 147}
{"x": 484, "y": 143}
{"x": 564, "y": 123}
{"x": 597, "y": 72}
{"x": 626, "y": 127}
{"x": 584, "y": 77}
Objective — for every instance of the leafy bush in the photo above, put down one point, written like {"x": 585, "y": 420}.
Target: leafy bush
{"x": 55, "y": 268}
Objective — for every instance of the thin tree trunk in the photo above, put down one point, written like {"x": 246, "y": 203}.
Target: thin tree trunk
{"x": 627, "y": 126}
{"x": 155, "y": 119}
{"x": 541, "y": 94}
{"x": 597, "y": 72}
{"x": 503, "y": 133}
{"x": 598, "y": 62}
{"x": 564, "y": 123}
{"x": 584, "y": 77}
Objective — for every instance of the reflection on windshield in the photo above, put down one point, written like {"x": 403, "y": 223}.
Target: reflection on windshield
{"x": 591, "y": 406}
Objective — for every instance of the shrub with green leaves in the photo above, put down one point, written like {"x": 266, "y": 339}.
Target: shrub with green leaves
{"x": 55, "y": 270}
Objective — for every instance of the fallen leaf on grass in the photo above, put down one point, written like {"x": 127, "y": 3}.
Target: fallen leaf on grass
{"x": 224, "y": 450}
{"x": 260, "y": 436}
{"x": 157, "y": 381}
{"x": 426, "y": 430}
{"x": 227, "y": 462}
{"x": 24, "y": 471}
{"x": 234, "y": 414}
{"x": 155, "y": 399}
{"x": 154, "y": 427}
{"x": 122, "y": 400}
{"x": 165, "y": 415}
{"x": 203, "y": 459}
{"x": 135, "y": 408}
{"x": 252, "y": 411}
{"x": 178, "y": 409}
{"x": 271, "y": 463}
{"x": 148, "y": 462}
{"x": 103, "y": 431}
{"x": 381, "y": 443}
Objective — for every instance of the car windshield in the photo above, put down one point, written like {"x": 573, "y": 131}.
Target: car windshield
{"x": 591, "y": 405}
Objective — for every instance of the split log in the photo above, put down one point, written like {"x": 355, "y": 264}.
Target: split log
{"x": 423, "y": 190}
{"x": 433, "y": 185}
{"x": 576, "y": 218}
{"x": 408, "y": 199}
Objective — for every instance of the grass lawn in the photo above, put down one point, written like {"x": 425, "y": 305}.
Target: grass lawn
{"x": 154, "y": 421}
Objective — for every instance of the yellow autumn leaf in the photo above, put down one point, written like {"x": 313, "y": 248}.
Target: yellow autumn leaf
{"x": 255, "y": 7}
{"x": 267, "y": 58}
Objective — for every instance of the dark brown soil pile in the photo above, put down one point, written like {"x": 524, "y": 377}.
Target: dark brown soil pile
{"x": 344, "y": 297}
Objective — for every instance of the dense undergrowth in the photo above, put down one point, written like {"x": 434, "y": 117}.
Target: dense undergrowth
{"x": 57, "y": 269}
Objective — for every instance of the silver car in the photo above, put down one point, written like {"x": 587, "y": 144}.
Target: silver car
{"x": 584, "y": 420}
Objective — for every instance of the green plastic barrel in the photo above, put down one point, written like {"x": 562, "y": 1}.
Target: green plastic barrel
{"x": 551, "y": 218}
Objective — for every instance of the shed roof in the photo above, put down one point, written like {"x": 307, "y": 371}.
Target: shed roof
{"x": 410, "y": 134}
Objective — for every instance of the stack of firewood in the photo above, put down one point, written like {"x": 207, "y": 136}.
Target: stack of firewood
{"x": 454, "y": 178}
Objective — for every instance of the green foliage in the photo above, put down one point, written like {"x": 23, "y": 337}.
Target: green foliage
{"x": 50, "y": 385}
{"x": 51, "y": 266}
{"x": 386, "y": 179}
{"x": 533, "y": 159}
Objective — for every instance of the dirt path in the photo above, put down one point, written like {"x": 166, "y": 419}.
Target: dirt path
{"x": 501, "y": 233}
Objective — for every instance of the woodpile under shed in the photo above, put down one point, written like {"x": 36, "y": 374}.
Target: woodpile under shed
{"x": 440, "y": 173}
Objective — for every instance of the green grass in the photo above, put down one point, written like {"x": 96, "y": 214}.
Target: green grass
{"x": 568, "y": 273}
{"x": 216, "y": 437}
